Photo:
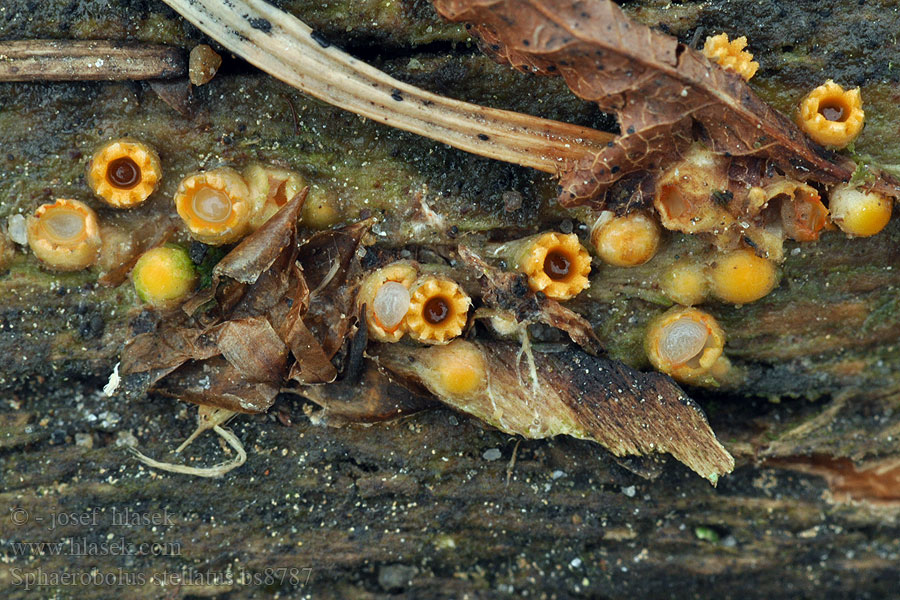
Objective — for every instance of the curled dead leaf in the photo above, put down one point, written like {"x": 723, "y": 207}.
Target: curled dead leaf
{"x": 253, "y": 347}
{"x": 239, "y": 357}
{"x": 374, "y": 397}
{"x": 576, "y": 394}
{"x": 666, "y": 95}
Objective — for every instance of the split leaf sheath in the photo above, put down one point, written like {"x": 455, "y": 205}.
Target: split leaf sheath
{"x": 88, "y": 60}
{"x": 288, "y": 49}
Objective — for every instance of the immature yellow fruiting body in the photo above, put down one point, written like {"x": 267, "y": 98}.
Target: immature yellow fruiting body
{"x": 320, "y": 211}
{"x": 685, "y": 343}
{"x": 270, "y": 189}
{"x": 64, "y": 235}
{"x": 438, "y": 310}
{"x": 857, "y": 212}
{"x": 163, "y": 276}
{"x": 741, "y": 276}
{"x": 386, "y": 296}
{"x": 457, "y": 369}
{"x": 555, "y": 263}
{"x": 123, "y": 173}
{"x": 686, "y": 282}
{"x": 832, "y": 116}
{"x": 215, "y": 205}
{"x": 626, "y": 241}
{"x": 731, "y": 55}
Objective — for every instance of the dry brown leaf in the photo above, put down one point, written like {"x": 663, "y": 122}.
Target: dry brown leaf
{"x": 238, "y": 356}
{"x": 626, "y": 411}
{"x": 162, "y": 351}
{"x": 373, "y": 397}
{"x": 312, "y": 364}
{"x": 331, "y": 268}
{"x": 253, "y": 347}
{"x": 665, "y": 94}
{"x": 216, "y": 382}
{"x": 257, "y": 253}
{"x": 245, "y": 378}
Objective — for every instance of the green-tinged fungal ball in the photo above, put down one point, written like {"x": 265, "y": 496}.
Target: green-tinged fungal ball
{"x": 164, "y": 276}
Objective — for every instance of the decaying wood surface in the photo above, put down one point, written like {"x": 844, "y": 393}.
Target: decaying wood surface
{"x": 435, "y": 504}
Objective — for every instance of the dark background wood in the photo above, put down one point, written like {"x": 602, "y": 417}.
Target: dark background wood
{"x": 422, "y": 507}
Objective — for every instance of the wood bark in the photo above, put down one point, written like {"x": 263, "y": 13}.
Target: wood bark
{"x": 436, "y": 505}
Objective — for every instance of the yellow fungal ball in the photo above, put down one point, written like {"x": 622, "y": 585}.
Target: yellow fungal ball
{"x": 64, "y": 235}
{"x": 741, "y": 276}
{"x": 123, "y": 173}
{"x": 270, "y": 189}
{"x": 386, "y": 296}
{"x": 215, "y": 205}
{"x": 832, "y": 116}
{"x": 556, "y": 264}
{"x": 685, "y": 343}
{"x": 857, "y": 212}
{"x": 731, "y": 55}
{"x": 164, "y": 275}
{"x": 626, "y": 241}
{"x": 686, "y": 282}
{"x": 455, "y": 370}
{"x": 459, "y": 367}
{"x": 320, "y": 211}
{"x": 438, "y": 310}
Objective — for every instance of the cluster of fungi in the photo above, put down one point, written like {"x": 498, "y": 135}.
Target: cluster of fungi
{"x": 405, "y": 299}
{"x": 218, "y": 206}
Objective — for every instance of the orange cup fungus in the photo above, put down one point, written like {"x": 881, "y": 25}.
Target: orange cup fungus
{"x": 215, "y": 205}
{"x": 556, "y": 264}
{"x": 123, "y": 173}
{"x": 386, "y": 296}
{"x": 731, "y": 55}
{"x": 803, "y": 216}
{"x": 64, "y": 235}
{"x": 270, "y": 189}
{"x": 832, "y": 116}
{"x": 685, "y": 191}
{"x": 438, "y": 310}
{"x": 685, "y": 343}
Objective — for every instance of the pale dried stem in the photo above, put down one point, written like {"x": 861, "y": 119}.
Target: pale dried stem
{"x": 88, "y": 60}
{"x": 213, "y": 471}
{"x": 285, "y": 47}
{"x": 208, "y": 417}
